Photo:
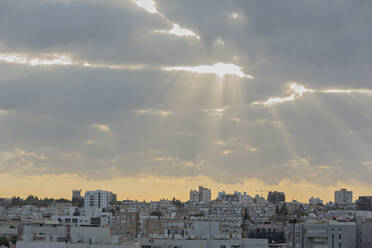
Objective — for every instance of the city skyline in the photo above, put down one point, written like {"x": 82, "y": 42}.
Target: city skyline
{"x": 183, "y": 193}
{"x": 151, "y": 98}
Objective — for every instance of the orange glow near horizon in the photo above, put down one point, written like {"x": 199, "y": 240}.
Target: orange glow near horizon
{"x": 151, "y": 188}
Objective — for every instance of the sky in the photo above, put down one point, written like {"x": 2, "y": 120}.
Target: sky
{"x": 152, "y": 98}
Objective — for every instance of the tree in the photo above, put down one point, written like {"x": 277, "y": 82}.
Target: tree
{"x": 13, "y": 239}
{"x": 4, "y": 241}
{"x": 15, "y": 201}
{"x": 177, "y": 203}
{"x": 156, "y": 213}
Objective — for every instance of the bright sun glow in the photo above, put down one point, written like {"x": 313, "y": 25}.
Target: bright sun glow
{"x": 148, "y": 5}
{"x": 234, "y": 15}
{"x": 220, "y": 69}
{"x": 299, "y": 89}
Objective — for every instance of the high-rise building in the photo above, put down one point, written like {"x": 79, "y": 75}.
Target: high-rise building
{"x": 77, "y": 199}
{"x": 204, "y": 194}
{"x": 276, "y": 197}
{"x": 343, "y": 197}
{"x": 98, "y": 199}
{"x": 194, "y": 196}
{"x": 364, "y": 203}
{"x": 201, "y": 195}
{"x": 76, "y": 194}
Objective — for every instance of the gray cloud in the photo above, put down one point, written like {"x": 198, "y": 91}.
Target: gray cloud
{"x": 104, "y": 123}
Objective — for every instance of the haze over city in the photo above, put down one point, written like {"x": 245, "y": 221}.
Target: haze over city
{"x": 151, "y": 98}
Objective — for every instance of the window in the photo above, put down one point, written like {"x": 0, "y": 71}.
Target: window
{"x": 333, "y": 240}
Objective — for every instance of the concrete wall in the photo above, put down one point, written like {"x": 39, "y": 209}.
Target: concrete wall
{"x": 246, "y": 243}
{"x": 90, "y": 235}
{"x": 22, "y": 244}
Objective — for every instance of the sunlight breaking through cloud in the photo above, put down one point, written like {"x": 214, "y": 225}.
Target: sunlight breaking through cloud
{"x": 52, "y": 59}
{"x": 234, "y": 15}
{"x": 220, "y": 69}
{"x": 4, "y": 112}
{"x": 152, "y": 112}
{"x": 179, "y": 31}
{"x": 101, "y": 127}
{"x": 61, "y": 60}
{"x": 216, "y": 111}
{"x": 298, "y": 90}
{"x": 148, "y": 5}
{"x": 116, "y": 67}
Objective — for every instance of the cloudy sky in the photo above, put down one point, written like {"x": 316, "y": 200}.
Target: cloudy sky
{"x": 150, "y": 98}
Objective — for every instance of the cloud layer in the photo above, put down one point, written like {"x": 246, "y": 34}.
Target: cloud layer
{"x": 103, "y": 89}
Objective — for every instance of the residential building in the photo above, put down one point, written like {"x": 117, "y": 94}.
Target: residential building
{"x": 77, "y": 199}
{"x": 364, "y": 203}
{"x": 276, "y": 197}
{"x": 201, "y": 195}
{"x": 315, "y": 201}
{"x": 126, "y": 224}
{"x": 98, "y": 199}
{"x": 329, "y": 235}
{"x": 343, "y": 197}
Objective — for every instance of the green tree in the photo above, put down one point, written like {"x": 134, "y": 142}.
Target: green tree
{"x": 4, "y": 241}
{"x": 13, "y": 239}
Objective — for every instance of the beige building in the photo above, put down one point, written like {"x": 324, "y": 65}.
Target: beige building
{"x": 125, "y": 224}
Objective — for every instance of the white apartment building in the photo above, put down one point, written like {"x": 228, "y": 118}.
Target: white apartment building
{"x": 98, "y": 199}
{"x": 201, "y": 195}
{"x": 343, "y": 197}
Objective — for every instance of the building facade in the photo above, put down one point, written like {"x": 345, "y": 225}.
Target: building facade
{"x": 324, "y": 235}
{"x": 201, "y": 195}
{"x": 276, "y": 197}
{"x": 98, "y": 199}
{"x": 364, "y": 203}
{"x": 343, "y": 197}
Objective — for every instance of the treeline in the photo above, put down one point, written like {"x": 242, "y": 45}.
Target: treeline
{"x": 16, "y": 201}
